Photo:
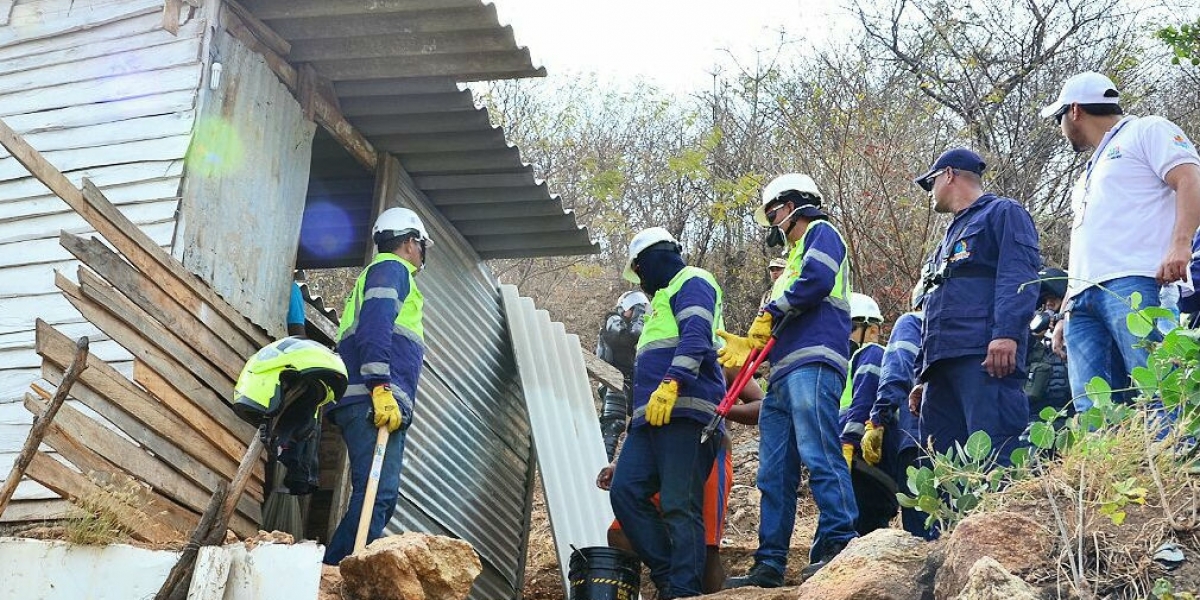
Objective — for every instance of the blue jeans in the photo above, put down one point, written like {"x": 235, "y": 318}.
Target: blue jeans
{"x": 1099, "y": 343}
{"x": 798, "y": 425}
{"x": 668, "y": 460}
{"x": 359, "y": 434}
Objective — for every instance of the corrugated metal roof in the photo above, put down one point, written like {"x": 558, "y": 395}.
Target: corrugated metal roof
{"x": 566, "y": 430}
{"x": 396, "y": 68}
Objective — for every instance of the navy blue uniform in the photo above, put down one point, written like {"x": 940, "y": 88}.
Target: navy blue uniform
{"x": 990, "y": 251}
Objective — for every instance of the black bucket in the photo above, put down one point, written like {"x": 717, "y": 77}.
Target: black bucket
{"x": 603, "y": 573}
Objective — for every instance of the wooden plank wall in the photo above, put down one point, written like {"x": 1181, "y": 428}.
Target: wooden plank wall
{"x": 241, "y": 210}
{"x": 104, "y": 93}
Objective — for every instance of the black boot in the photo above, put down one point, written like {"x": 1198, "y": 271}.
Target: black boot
{"x": 831, "y": 551}
{"x": 760, "y": 575}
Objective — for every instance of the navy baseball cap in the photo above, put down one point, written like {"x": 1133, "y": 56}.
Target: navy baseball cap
{"x": 960, "y": 159}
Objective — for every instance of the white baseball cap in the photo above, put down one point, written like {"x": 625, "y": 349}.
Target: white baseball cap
{"x": 1085, "y": 88}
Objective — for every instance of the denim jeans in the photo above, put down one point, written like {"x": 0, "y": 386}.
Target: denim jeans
{"x": 671, "y": 461}
{"x": 359, "y": 434}
{"x": 798, "y": 425}
{"x": 1099, "y": 343}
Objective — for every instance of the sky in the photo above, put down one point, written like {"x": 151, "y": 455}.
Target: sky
{"x": 673, "y": 44}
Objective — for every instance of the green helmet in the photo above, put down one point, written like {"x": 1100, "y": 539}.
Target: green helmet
{"x": 269, "y": 374}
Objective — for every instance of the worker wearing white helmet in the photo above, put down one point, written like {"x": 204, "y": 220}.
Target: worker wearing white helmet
{"x": 617, "y": 345}
{"x": 798, "y": 420}
{"x": 382, "y": 341}
{"x": 677, "y": 384}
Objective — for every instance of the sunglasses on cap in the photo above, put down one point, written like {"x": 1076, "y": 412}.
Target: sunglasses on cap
{"x": 927, "y": 183}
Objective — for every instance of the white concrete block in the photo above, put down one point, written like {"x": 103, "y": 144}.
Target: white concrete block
{"x": 274, "y": 572}
{"x": 55, "y": 570}
{"x": 211, "y": 574}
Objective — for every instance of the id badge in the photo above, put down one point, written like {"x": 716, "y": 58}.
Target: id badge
{"x": 1079, "y": 202}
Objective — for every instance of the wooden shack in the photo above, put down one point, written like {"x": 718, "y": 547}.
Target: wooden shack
{"x": 238, "y": 142}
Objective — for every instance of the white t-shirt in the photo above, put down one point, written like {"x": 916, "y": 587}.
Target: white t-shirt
{"x": 1124, "y": 212}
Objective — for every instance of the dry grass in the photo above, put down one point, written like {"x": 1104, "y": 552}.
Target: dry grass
{"x": 1106, "y": 536}
{"x": 100, "y": 522}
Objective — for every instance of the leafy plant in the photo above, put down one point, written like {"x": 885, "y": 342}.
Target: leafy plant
{"x": 955, "y": 482}
{"x": 1184, "y": 41}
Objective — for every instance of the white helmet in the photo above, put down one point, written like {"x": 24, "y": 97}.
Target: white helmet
{"x": 864, "y": 308}
{"x": 792, "y": 182}
{"x": 644, "y": 239}
{"x": 395, "y": 222}
{"x": 629, "y": 300}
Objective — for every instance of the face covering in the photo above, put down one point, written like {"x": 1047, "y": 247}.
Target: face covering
{"x": 657, "y": 268}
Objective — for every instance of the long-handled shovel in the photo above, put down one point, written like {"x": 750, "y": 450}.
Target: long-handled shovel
{"x": 368, "y": 505}
{"x": 753, "y": 362}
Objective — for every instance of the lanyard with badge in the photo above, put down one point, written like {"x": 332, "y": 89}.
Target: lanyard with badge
{"x": 1084, "y": 186}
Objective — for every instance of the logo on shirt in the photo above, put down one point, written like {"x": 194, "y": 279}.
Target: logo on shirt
{"x": 1113, "y": 153}
{"x": 1182, "y": 142}
{"x": 959, "y": 251}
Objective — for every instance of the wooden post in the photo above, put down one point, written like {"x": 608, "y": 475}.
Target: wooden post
{"x": 42, "y": 424}
{"x": 211, "y": 528}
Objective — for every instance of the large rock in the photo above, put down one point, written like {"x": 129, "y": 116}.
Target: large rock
{"x": 1019, "y": 544}
{"x": 884, "y": 565}
{"x": 989, "y": 580}
{"x": 752, "y": 593}
{"x": 411, "y": 566}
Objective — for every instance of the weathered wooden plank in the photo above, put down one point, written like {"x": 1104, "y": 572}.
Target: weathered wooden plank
{"x": 134, "y": 412}
{"x": 144, "y": 524}
{"x": 78, "y": 21}
{"x": 39, "y": 510}
{"x": 44, "y": 129}
{"x": 126, "y": 27}
{"x": 48, "y": 250}
{"x": 156, "y": 304}
{"x": 116, "y": 49}
{"x": 133, "y": 243}
{"x": 161, "y": 388}
{"x": 112, "y": 133}
{"x": 170, "y": 17}
{"x": 105, "y": 177}
{"x": 164, "y": 56}
{"x": 94, "y": 91}
{"x": 181, "y": 442}
{"x": 135, "y": 195}
{"x": 24, "y": 357}
{"x": 167, "y": 148}
{"x": 180, "y": 378}
{"x": 73, "y": 330}
{"x": 42, "y": 226}
{"x": 268, "y": 37}
{"x": 76, "y": 429}
{"x": 195, "y": 360}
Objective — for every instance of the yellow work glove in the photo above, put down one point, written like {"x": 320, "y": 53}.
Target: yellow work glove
{"x": 658, "y": 411}
{"x": 760, "y": 330}
{"x": 848, "y": 454}
{"x": 735, "y": 352}
{"x": 872, "y": 444}
{"x": 387, "y": 412}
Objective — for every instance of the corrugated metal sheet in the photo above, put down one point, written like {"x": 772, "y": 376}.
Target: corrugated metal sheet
{"x": 245, "y": 186}
{"x": 566, "y": 429}
{"x": 396, "y": 67}
{"x": 467, "y": 463}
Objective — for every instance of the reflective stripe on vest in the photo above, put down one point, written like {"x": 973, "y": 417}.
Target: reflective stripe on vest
{"x": 408, "y": 315}
{"x": 661, "y": 329}
{"x": 848, "y": 391}
{"x": 838, "y": 296}
{"x": 683, "y": 402}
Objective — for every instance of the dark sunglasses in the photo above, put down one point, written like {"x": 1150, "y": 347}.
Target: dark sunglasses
{"x": 772, "y": 213}
{"x": 1058, "y": 116}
